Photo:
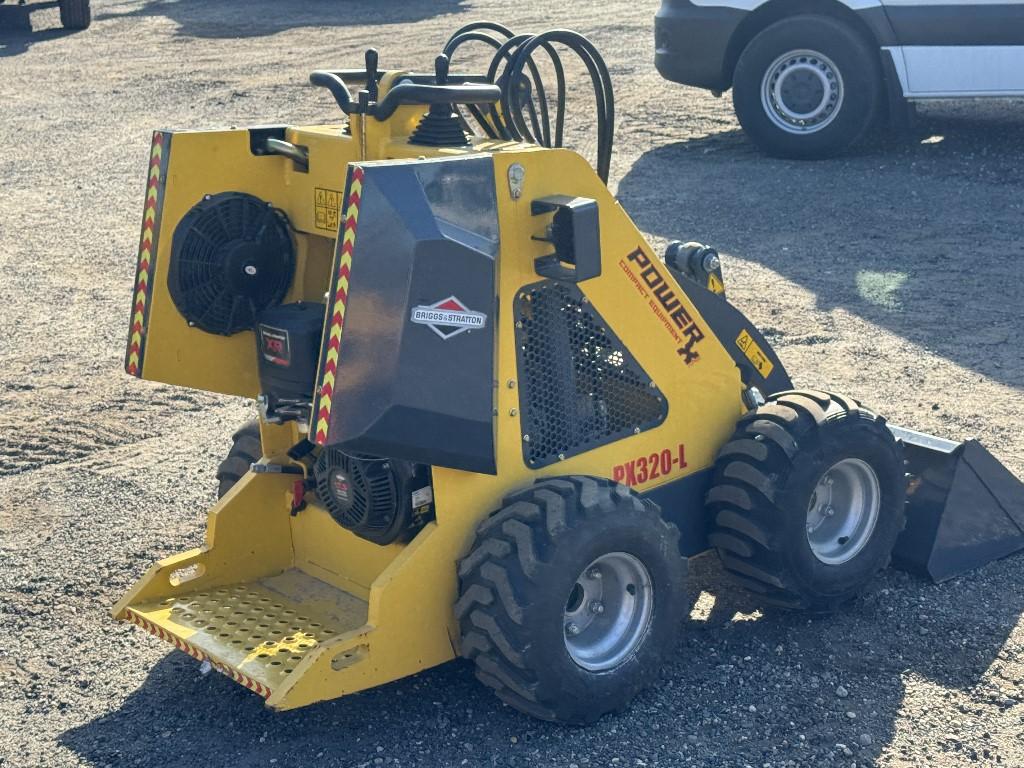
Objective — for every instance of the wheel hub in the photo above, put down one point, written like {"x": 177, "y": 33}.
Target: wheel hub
{"x": 608, "y": 611}
{"x": 802, "y": 92}
{"x": 843, "y": 511}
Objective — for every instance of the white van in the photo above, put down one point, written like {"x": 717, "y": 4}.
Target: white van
{"x": 809, "y": 77}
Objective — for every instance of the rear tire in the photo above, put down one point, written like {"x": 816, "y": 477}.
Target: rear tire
{"x": 75, "y": 14}
{"x": 528, "y": 614}
{"x": 245, "y": 449}
{"x": 789, "y": 462}
{"x": 811, "y": 66}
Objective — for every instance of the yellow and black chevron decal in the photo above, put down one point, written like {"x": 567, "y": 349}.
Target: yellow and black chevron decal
{"x": 253, "y": 685}
{"x": 157, "y": 180}
{"x": 339, "y": 298}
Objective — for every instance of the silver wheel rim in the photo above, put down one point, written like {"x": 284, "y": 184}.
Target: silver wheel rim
{"x": 802, "y": 92}
{"x": 843, "y": 511}
{"x": 608, "y": 611}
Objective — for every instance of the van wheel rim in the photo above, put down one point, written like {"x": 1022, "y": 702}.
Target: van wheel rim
{"x": 802, "y": 92}
{"x": 608, "y": 611}
{"x": 843, "y": 511}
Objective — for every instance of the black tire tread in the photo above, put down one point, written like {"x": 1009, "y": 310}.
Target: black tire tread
{"x": 508, "y": 548}
{"x": 245, "y": 449}
{"x": 741, "y": 504}
{"x": 863, "y": 75}
{"x": 75, "y": 14}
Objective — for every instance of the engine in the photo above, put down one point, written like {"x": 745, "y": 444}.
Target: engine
{"x": 382, "y": 500}
{"x": 232, "y": 262}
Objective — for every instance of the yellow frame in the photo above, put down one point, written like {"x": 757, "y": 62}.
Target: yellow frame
{"x": 399, "y": 615}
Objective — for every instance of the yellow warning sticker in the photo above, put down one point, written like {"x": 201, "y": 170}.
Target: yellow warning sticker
{"x": 326, "y": 208}
{"x": 715, "y": 284}
{"x": 755, "y": 354}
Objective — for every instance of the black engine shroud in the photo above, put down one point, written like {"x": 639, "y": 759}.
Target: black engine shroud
{"x": 381, "y": 500}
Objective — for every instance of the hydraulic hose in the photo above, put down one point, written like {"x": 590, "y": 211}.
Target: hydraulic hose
{"x": 526, "y": 112}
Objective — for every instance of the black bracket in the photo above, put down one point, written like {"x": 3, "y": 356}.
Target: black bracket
{"x": 575, "y": 232}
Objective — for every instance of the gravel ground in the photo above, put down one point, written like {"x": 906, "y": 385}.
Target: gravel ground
{"x": 890, "y": 274}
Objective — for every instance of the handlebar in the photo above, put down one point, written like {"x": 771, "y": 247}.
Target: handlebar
{"x": 413, "y": 93}
{"x": 406, "y": 92}
{"x": 336, "y": 86}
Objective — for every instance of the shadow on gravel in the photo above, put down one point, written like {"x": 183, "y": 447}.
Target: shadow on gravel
{"x": 16, "y": 35}
{"x": 937, "y": 212}
{"x": 257, "y": 18}
{"x": 744, "y": 688}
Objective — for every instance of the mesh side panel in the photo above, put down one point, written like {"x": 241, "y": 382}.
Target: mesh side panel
{"x": 578, "y": 386}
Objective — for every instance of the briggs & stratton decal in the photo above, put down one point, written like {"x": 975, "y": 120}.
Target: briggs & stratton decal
{"x": 448, "y": 317}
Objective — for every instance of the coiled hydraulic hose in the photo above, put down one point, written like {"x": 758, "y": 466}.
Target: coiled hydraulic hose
{"x": 526, "y": 114}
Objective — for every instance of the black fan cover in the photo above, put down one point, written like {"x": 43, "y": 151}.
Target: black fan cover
{"x": 362, "y": 494}
{"x": 232, "y": 257}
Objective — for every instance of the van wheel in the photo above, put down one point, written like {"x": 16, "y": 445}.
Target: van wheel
{"x": 807, "y": 87}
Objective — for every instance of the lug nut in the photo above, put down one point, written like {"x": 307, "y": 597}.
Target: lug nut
{"x": 594, "y": 573}
{"x": 596, "y": 606}
{"x": 571, "y": 629}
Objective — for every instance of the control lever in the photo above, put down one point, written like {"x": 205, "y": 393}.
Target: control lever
{"x": 371, "y": 74}
{"x": 441, "y": 70}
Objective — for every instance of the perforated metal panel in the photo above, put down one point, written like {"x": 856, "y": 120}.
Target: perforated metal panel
{"x": 579, "y": 388}
{"x": 261, "y": 630}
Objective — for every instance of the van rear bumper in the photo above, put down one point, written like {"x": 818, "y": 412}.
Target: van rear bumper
{"x": 691, "y": 42}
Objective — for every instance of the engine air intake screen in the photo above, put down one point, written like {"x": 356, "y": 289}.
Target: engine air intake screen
{"x": 578, "y": 386}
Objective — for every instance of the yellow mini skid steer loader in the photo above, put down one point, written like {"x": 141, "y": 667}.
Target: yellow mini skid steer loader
{"x": 493, "y": 422}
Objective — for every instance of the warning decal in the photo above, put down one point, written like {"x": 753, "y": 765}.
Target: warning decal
{"x": 326, "y": 208}
{"x": 755, "y": 354}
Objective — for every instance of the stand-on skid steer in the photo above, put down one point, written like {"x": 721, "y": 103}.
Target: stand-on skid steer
{"x": 493, "y": 422}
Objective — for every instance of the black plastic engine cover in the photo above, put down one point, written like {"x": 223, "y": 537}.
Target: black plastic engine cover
{"x": 381, "y": 500}
{"x": 288, "y": 345}
{"x": 415, "y": 370}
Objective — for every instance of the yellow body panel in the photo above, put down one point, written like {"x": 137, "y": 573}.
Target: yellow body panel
{"x": 354, "y": 614}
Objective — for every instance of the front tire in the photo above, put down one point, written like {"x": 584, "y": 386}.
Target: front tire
{"x": 570, "y": 598}
{"x": 75, "y": 14}
{"x": 807, "y": 500}
{"x": 807, "y": 87}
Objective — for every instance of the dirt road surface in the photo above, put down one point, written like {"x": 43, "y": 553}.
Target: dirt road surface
{"x": 892, "y": 274}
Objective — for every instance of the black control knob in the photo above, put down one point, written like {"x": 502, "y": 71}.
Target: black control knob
{"x": 371, "y": 73}
{"x": 441, "y": 70}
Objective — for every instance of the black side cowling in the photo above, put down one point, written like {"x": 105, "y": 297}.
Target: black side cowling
{"x": 416, "y": 361}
